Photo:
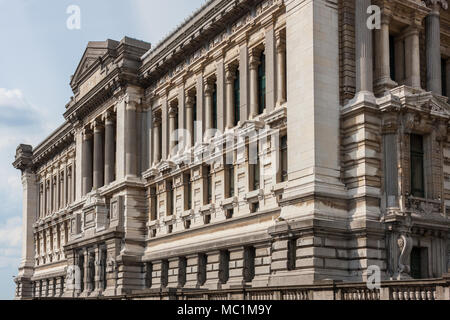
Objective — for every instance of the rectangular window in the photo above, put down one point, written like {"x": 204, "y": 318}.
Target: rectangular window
{"x": 392, "y": 57}
{"x": 230, "y": 181}
{"x": 214, "y": 115}
{"x": 417, "y": 166}
{"x": 419, "y": 263}
{"x": 249, "y": 264}
{"x": 170, "y": 198}
{"x": 153, "y": 205}
{"x": 255, "y": 168}
{"x": 237, "y": 98}
{"x": 284, "y": 159}
{"x": 208, "y": 179}
{"x": 188, "y": 192}
{"x": 262, "y": 83}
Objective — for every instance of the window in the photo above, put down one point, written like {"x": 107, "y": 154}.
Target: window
{"x": 208, "y": 184}
{"x": 153, "y": 205}
{"x": 230, "y": 181}
{"x": 224, "y": 266}
{"x": 170, "y": 198}
{"x": 284, "y": 159}
{"x": 214, "y": 111}
{"x": 419, "y": 263}
{"x": 201, "y": 272}
{"x": 195, "y": 108}
{"x": 164, "y": 273}
{"x": 254, "y": 168}
{"x": 182, "y": 267}
{"x": 249, "y": 263}
{"x": 417, "y": 166}
{"x": 237, "y": 98}
{"x": 188, "y": 192}
{"x": 392, "y": 57}
{"x": 292, "y": 254}
{"x": 262, "y": 83}
{"x": 148, "y": 274}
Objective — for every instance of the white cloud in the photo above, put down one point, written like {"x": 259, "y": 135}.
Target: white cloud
{"x": 10, "y": 242}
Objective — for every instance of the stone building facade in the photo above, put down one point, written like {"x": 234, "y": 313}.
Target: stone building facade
{"x": 263, "y": 144}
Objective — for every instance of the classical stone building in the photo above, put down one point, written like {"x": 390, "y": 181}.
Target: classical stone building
{"x": 276, "y": 149}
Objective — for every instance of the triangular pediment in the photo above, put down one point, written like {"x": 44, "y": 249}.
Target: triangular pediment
{"x": 94, "y": 52}
{"x": 437, "y": 106}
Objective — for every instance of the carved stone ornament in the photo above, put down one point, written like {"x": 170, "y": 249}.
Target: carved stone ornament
{"x": 405, "y": 245}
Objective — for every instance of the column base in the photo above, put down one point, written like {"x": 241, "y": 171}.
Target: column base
{"x": 383, "y": 86}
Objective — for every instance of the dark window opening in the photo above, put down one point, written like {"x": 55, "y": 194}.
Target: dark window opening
{"x": 417, "y": 166}
{"x": 237, "y": 98}
{"x": 392, "y": 57}
{"x": 170, "y": 200}
{"x": 262, "y": 83}
{"x": 214, "y": 111}
{"x": 249, "y": 263}
{"x": 419, "y": 263}
{"x": 284, "y": 159}
{"x": 224, "y": 266}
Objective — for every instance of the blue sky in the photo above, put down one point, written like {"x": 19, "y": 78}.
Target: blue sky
{"x": 37, "y": 57}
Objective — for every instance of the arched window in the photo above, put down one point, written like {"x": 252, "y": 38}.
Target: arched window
{"x": 262, "y": 83}
{"x": 237, "y": 98}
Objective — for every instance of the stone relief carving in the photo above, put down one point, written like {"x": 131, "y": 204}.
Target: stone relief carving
{"x": 405, "y": 245}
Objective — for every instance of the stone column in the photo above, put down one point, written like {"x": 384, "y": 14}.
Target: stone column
{"x": 364, "y": 53}
{"x": 281, "y": 70}
{"x": 156, "y": 138}
{"x": 190, "y": 119}
{"x": 253, "y": 66}
{"x": 382, "y": 56}
{"x": 412, "y": 57}
{"x": 173, "y": 114}
{"x": 109, "y": 149}
{"x": 209, "y": 88}
{"x": 29, "y": 210}
{"x": 230, "y": 77}
{"x": 131, "y": 139}
{"x": 433, "y": 45}
{"x": 87, "y": 161}
{"x": 98, "y": 156}
{"x": 86, "y": 272}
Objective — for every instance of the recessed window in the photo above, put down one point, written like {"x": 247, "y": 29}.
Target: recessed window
{"x": 237, "y": 98}
{"x": 214, "y": 110}
{"x": 419, "y": 263}
{"x": 262, "y": 84}
{"x": 417, "y": 166}
{"x": 283, "y": 159}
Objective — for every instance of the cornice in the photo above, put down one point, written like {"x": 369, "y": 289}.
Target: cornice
{"x": 190, "y": 38}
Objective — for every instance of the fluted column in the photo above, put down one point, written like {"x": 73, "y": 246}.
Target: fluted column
{"x": 98, "y": 156}
{"x": 109, "y": 149}
{"x": 173, "y": 115}
{"x": 131, "y": 139}
{"x": 209, "y": 89}
{"x": 364, "y": 53}
{"x": 281, "y": 70}
{"x": 412, "y": 57}
{"x": 87, "y": 162}
{"x": 253, "y": 66}
{"x": 230, "y": 76}
{"x": 86, "y": 271}
{"x": 156, "y": 138}
{"x": 190, "y": 120}
{"x": 382, "y": 56}
{"x": 433, "y": 43}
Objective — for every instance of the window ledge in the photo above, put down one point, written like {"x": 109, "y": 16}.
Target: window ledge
{"x": 254, "y": 196}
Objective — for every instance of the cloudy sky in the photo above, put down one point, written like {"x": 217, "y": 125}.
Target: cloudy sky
{"x": 38, "y": 55}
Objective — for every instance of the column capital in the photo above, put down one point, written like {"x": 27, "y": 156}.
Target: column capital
{"x": 209, "y": 87}
{"x": 173, "y": 111}
{"x": 190, "y": 100}
{"x": 157, "y": 118}
{"x": 436, "y": 5}
{"x": 97, "y": 125}
{"x": 230, "y": 72}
